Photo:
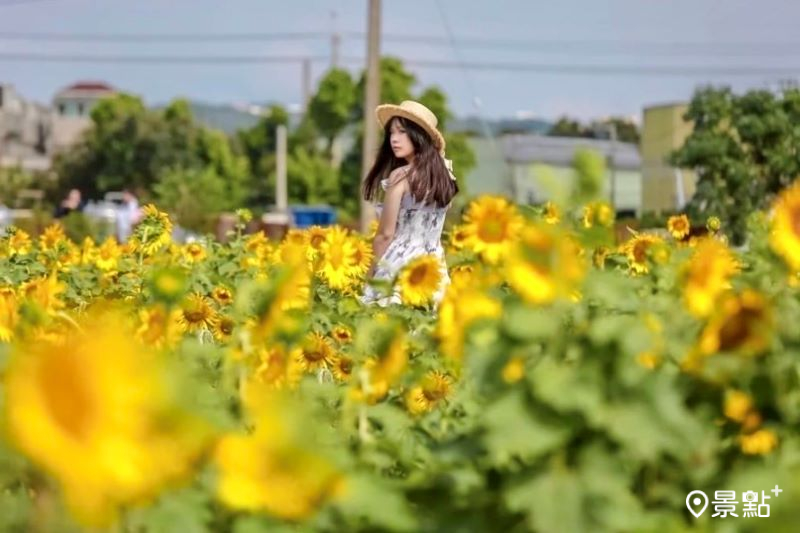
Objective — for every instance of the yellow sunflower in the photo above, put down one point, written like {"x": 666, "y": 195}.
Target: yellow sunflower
{"x": 197, "y": 314}
{"x": 338, "y": 263}
{"x": 419, "y": 280}
{"x": 707, "y": 274}
{"x": 315, "y": 237}
{"x": 194, "y": 252}
{"x": 277, "y": 368}
{"x": 761, "y": 442}
{"x": 458, "y": 237}
{"x": 637, "y": 249}
{"x": 17, "y": 241}
{"x": 108, "y": 255}
{"x": 342, "y": 334}
{"x": 159, "y": 328}
{"x": 52, "y": 236}
{"x": 679, "y": 227}
{"x": 316, "y": 352}
{"x": 459, "y": 309}
{"x": 379, "y": 373}
{"x": 8, "y": 313}
{"x": 713, "y": 224}
{"x": 785, "y": 234}
{"x": 362, "y": 257}
{"x": 277, "y": 468}
{"x": 740, "y": 322}
{"x": 342, "y": 368}
{"x": 597, "y": 213}
{"x": 551, "y": 213}
{"x": 492, "y": 224}
{"x": 90, "y": 410}
{"x": 738, "y": 405}
{"x": 223, "y": 328}
{"x": 222, "y": 295}
{"x": 434, "y": 388}
{"x": 544, "y": 265}
{"x": 45, "y": 292}
{"x": 153, "y": 232}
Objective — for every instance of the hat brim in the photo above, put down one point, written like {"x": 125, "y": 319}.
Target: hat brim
{"x": 386, "y": 112}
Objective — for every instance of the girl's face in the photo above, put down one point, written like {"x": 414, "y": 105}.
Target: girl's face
{"x": 400, "y": 142}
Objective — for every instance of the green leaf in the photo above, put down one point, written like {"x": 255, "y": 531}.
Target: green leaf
{"x": 551, "y": 502}
{"x": 527, "y": 323}
{"x": 369, "y": 501}
{"x": 187, "y": 511}
{"x": 513, "y": 429}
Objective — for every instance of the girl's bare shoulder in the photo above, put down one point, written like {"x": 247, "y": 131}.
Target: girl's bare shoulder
{"x": 397, "y": 175}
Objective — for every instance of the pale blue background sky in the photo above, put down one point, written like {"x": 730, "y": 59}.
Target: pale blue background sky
{"x": 773, "y": 24}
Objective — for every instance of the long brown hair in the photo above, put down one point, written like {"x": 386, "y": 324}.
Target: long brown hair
{"x": 429, "y": 181}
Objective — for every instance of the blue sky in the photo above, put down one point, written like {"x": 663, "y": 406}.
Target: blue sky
{"x": 740, "y": 33}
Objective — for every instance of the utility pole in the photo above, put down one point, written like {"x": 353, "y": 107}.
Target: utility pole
{"x": 281, "y": 195}
{"x": 336, "y": 41}
{"x": 371, "y": 95}
{"x": 306, "y": 83}
{"x": 612, "y": 163}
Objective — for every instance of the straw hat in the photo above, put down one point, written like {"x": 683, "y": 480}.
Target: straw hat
{"x": 415, "y": 112}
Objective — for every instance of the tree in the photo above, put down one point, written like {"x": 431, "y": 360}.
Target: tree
{"x": 567, "y": 127}
{"x": 196, "y": 196}
{"x": 627, "y": 131}
{"x": 260, "y": 141}
{"x": 434, "y": 99}
{"x": 331, "y": 107}
{"x": 744, "y": 150}
{"x": 131, "y": 146}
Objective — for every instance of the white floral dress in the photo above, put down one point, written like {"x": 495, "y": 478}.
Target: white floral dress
{"x": 418, "y": 232}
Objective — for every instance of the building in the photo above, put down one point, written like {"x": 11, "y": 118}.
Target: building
{"x": 664, "y": 129}
{"x": 534, "y": 168}
{"x": 72, "y": 107}
{"x": 25, "y": 131}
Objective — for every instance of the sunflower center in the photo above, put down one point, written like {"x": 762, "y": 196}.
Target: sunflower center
{"x": 346, "y": 366}
{"x": 433, "y": 395}
{"x": 418, "y": 274}
{"x": 67, "y": 395}
{"x": 336, "y": 257}
{"x": 314, "y": 355}
{"x": 491, "y": 230}
{"x": 795, "y": 217}
{"x": 640, "y": 251}
{"x": 194, "y": 316}
{"x": 226, "y": 327}
{"x": 738, "y": 329}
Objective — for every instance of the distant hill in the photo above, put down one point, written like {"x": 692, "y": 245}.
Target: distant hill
{"x": 229, "y": 119}
{"x": 474, "y": 126}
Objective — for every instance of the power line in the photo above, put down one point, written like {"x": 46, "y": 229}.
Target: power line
{"x": 8, "y": 3}
{"x": 78, "y": 58}
{"x": 159, "y": 37}
{"x": 632, "y": 70}
{"x": 593, "y": 47}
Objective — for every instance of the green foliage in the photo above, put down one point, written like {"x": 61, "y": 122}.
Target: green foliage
{"x": 131, "y": 146}
{"x": 330, "y": 108}
{"x": 626, "y": 130}
{"x": 743, "y": 149}
{"x": 197, "y": 196}
{"x": 78, "y": 226}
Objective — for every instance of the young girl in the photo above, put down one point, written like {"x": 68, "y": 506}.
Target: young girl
{"x": 418, "y": 188}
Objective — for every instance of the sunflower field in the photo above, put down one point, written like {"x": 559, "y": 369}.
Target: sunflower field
{"x": 566, "y": 383}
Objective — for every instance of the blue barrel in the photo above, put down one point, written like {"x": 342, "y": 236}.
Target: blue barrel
{"x": 304, "y": 216}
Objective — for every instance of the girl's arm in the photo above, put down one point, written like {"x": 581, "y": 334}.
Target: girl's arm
{"x": 388, "y": 221}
